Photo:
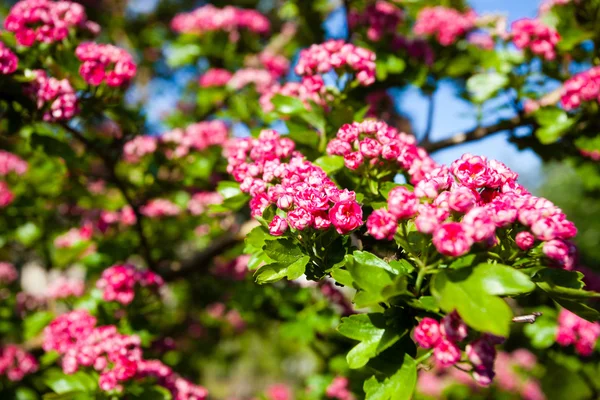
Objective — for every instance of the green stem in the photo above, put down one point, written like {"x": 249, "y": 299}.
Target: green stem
{"x": 419, "y": 283}
{"x": 424, "y": 357}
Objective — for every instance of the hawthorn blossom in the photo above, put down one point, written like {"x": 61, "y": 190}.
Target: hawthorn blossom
{"x": 16, "y": 363}
{"x": 8, "y": 273}
{"x": 55, "y": 98}
{"x": 380, "y": 18}
{"x": 229, "y": 19}
{"x": 105, "y": 63}
{"x": 8, "y": 60}
{"x": 215, "y": 77}
{"x": 534, "y": 35}
{"x": 43, "y": 21}
{"x": 382, "y": 224}
{"x": 119, "y": 282}
{"x": 447, "y": 25}
{"x": 335, "y": 55}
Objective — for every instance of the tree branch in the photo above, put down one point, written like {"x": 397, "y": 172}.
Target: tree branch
{"x": 430, "y": 115}
{"x": 475, "y": 134}
{"x": 110, "y": 164}
{"x": 202, "y": 258}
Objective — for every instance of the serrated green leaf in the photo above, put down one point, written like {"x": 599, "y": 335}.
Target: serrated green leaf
{"x": 501, "y": 280}
{"x": 399, "y": 386}
{"x": 330, "y": 164}
{"x": 34, "y": 323}
{"x": 277, "y": 271}
{"x": 373, "y": 334}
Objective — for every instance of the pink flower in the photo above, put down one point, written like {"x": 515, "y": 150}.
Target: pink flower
{"x": 453, "y": 328}
{"x": 339, "y": 389}
{"x": 43, "y": 21}
{"x": 532, "y": 34}
{"x": 278, "y": 226}
{"x": 471, "y": 171}
{"x": 300, "y": 219}
{"x": 56, "y": 98}
{"x": 119, "y": 282}
{"x": 429, "y": 217}
{"x": 478, "y": 223}
{"x": 279, "y": 392}
{"x": 8, "y": 60}
{"x": 446, "y": 353}
{"x": 402, "y": 202}
{"x": 382, "y": 224}
{"x": 158, "y": 208}
{"x": 582, "y": 87}
{"x": 138, "y": 147}
{"x": 573, "y": 329}
{"x": 229, "y": 19}
{"x": 452, "y": 239}
{"x": 335, "y": 54}
{"x": 215, "y": 77}
{"x": 353, "y": 160}
{"x": 380, "y": 18}
{"x": 64, "y": 287}
{"x": 16, "y": 363}
{"x": 524, "y": 240}
{"x": 481, "y": 40}
{"x": 446, "y": 24}
{"x": 105, "y": 63}
{"x": 561, "y": 252}
{"x": 481, "y": 353}
{"x": 8, "y": 273}
{"x": 346, "y": 216}
{"x": 427, "y": 334}
{"x": 462, "y": 199}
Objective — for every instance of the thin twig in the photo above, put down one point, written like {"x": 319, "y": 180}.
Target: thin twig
{"x": 476, "y": 134}
{"x": 430, "y": 116}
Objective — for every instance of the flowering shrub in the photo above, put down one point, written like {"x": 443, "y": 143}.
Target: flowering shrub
{"x": 282, "y": 231}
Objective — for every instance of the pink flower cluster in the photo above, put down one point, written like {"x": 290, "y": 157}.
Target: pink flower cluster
{"x": 511, "y": 369}
{"x": 513, "y": 375}
{"x": 279, "y": 391}
{"x": 380, "y": 18}
{"x": 118, "y": 358}
{"x": 55, "y": 97}
{"x": 214, "y": 77}
{"x": 198, "y": 136}
{"x": 158, "y": 208}
{"x": 64, "y": 287}
{"x": 445, "y": 335}
{"x": 6, "y": 196}
{"x": 125, "y": 216}
{"x": 8, "y": 60}
{"x": 338, "y": 389}
{"x": 260, "y": 78}
{"x": 593, "y": 155}
{"x": 138, "y": 147}
{"x": 276, "y": 64}
{"x": 575, "y": 330}
{"x": 8, "y": 273}
{"x": 11, "y": 163}
{"x": 119, "y": 282}
{"x": 373, "y": 143}
{"x": 310, "y": 89}
{"x": 74, "y": 236}
{"x": 534, "y": 35}
{"x": 15, "y": 363}
{"x": 43, "y": 21}
{"x": 336, "y": 54}
{"x": 298, "y": 187}
{"x": 105, "y": 63}
{"x": 229, "y": 19}
{"x": 584, "y": 86}
{"x": 447, "y": 25}
{"x": 487, "y": 197}
{"x": 200, "y": 202}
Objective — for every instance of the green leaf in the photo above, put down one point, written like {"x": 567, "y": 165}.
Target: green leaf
{"x": 283, "y": 250}
{"x": 563, "y": 284}
{"x": 306, "y": 137}
{"x": 182, "y": 54}
{"x": 484, "y": 86}
{"x": 25, "y": 393}
{"x": 287, "y": 105}
{"x": 399, "y": 386}
{"x": 462, "y": 262}
{"x": 583, "y": 310}
{"x": 501, "y": 280}
{"x": 228, "y": 189}
{"x": 34, "y": 323}
{"x": 485, "y": 312}
{"x": 28, "y": 233}
{"x": 369, "y": 260}
{"x": 330, "y": 164}
{"x": 554, "y": 122}
{"x": 542, "y": 332}
{"x": 373, "y": 334}
{"x": 395, "y": 65}
{"x": 61, "y": 383}
{"x": 277, "y": 271}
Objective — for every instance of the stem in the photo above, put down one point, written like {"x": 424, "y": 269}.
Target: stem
{"x": 419, "y": 283}
{"x": 424, "y": 357}
{"x": 430, "y": 116}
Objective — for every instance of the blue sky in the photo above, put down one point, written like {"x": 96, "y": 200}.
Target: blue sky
{"x": 452, "y": 114}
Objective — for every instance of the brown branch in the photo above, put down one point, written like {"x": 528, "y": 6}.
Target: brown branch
{"x": 430, "y": 116}
{"x": 110, "y": 164}
{"x": 475, "y": 134}
{"x": 201, "y": 260}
